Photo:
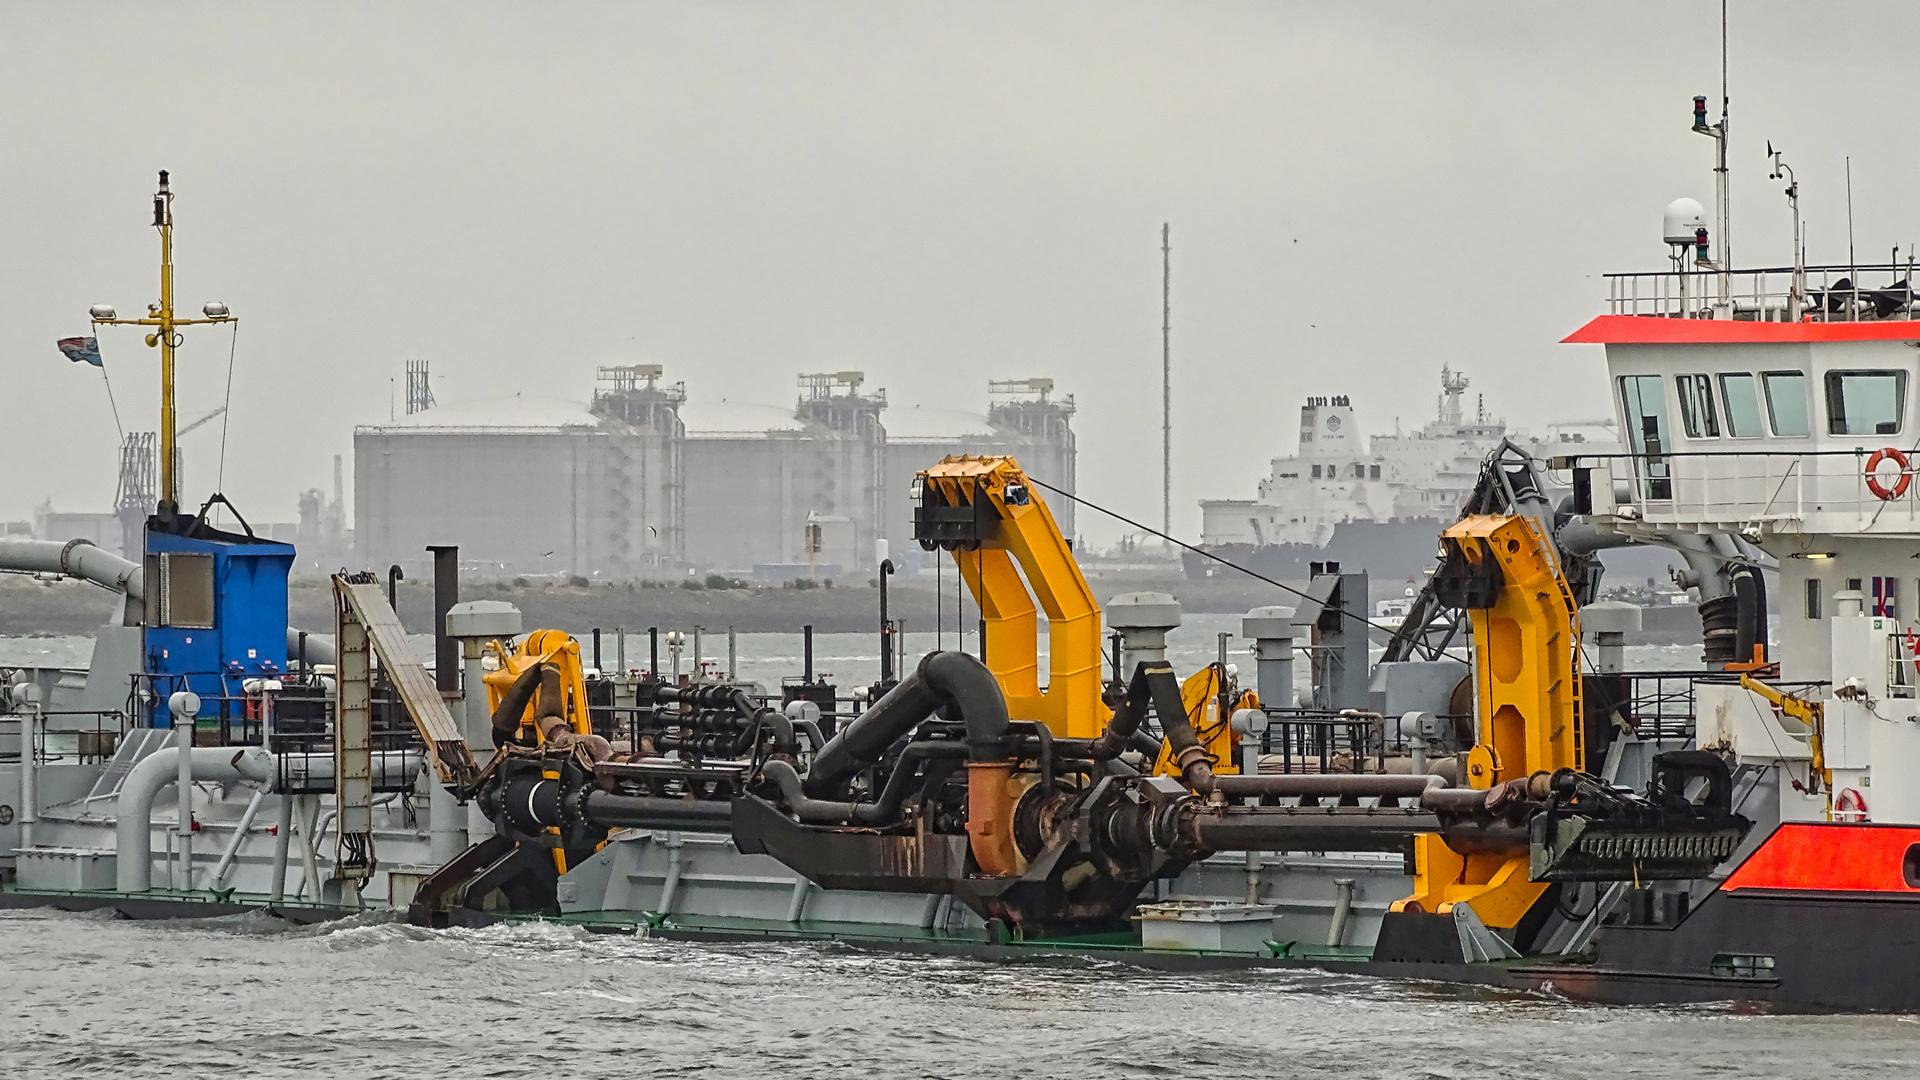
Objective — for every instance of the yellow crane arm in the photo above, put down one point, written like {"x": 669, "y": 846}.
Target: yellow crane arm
{"x": 1811, "y": 713}
{"x": 1526, "y": 640}
{"x": 1017, "y": 565}
{"x": 554, "y": 647}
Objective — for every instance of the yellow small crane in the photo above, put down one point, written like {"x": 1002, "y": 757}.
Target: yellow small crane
{"x": 1811, "y": 713}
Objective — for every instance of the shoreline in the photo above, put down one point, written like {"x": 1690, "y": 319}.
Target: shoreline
{"x": 30, "y": 606}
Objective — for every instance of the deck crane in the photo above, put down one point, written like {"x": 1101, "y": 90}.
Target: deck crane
{"x": 1016, "y": 563}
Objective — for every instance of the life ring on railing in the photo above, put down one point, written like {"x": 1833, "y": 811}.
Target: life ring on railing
{"x": 1873, "y": 476}
{"x": 1850, "y": 806}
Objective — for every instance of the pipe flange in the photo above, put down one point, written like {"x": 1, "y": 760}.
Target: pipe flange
{"x": 66, "y": 567}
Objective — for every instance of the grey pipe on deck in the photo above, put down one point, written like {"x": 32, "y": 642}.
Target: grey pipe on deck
{"x": 79, "y": 558}
{"x": 133, "y": 821}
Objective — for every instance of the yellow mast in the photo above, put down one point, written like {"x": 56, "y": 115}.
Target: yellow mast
{"x": 160, "y": 316}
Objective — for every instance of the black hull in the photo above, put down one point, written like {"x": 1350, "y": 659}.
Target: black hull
{"x": 1390, "y": 551}
{"x": 1831, "y": 952}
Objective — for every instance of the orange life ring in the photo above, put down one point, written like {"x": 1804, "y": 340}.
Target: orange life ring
{"x": 1873, "y": 480}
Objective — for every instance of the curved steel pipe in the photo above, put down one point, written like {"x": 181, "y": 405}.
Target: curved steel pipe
{"x": 79, "y": 558}
{"x": 133, "y": 814}
{"x": 513, "y": 705}
{"x": 943, "y": 680}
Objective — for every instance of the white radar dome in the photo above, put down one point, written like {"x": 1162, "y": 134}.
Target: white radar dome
{"x": 1683, "y": 219}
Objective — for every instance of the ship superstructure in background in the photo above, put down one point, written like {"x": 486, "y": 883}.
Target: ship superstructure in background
{"x": 1377, "y": 505}
{"x": 658, "y": 482}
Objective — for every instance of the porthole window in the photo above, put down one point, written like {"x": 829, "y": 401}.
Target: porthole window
{"x": 1743, "y": 966}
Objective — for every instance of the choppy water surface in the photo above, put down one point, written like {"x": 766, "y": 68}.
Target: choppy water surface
{"x": 86, "y": 996}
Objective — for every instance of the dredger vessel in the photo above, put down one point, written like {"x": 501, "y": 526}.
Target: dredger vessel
{"x": 1490, "y": 802}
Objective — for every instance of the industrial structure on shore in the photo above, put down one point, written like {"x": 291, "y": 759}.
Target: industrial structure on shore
{"x": 642, "y": 482}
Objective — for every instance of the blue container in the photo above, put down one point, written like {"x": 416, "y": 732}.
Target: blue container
{"x": 216, "y": 616}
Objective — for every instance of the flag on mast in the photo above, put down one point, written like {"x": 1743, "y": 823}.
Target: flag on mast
{"x": 82, "y": 350}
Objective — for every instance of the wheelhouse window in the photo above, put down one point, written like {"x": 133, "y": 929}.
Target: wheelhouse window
{"x": 1743, "y": 405}
{"x": 1696, "y": 407}
{"x": 1648, "y": 435}
{"x": 1787, "y": 403}
{"x": 1865, "y": 402}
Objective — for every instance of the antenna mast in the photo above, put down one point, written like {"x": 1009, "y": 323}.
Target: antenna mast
{"x": 1166, "y": 378}
{"x": 160, "y": 316}
{"x": 1722, "y": 186}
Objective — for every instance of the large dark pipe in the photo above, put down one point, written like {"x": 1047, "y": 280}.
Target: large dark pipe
{"x": 1189, "y": 756}
{"x": 513, "y": 705}
{"x": 884, "y": 810}
{"x": 1332, "y": 785}
{"x": 652, "y": 812}
{"x": 1243, "y": 828}
{"x": 806, "y": 652}
{"x": 1750, "y": 600}
{"x": 552, "y": 701}
{"x": 944, "y": 680}
{"x": 1455, "y": 800}
{"x": 1123, "y": 731}
{"x": 446, "y": 593}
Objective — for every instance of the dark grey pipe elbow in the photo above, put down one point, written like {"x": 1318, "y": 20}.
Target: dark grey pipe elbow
{"x": 952, "y": 679}
{"x": 818, "y": 811}
{"x": 513, "y": 705}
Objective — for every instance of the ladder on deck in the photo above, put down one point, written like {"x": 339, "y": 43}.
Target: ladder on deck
{"x": 368, "y": 626}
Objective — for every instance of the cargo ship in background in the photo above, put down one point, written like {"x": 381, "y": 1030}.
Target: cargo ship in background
{"x": 1376, "y": 504}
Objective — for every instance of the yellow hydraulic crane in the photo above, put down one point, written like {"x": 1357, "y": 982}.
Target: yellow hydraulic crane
{"x": 1811, "y": 713}
{"x": 544, "y": 647}
{"x": 1017, "y": 564}
{"x": 984, "y": 511}
{"x": 1526, "y": 641}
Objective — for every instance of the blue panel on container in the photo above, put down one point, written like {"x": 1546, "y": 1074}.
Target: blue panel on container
{"x": 248, "y": 638}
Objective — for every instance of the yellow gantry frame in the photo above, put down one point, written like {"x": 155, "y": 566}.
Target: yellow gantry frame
{"x": 161, "y": 317}
{"x": 554, "y": 647}
{"x": 1200, "y": 693}
{"x": 1024, "y": 561}
{"x": 1527, "y": 687}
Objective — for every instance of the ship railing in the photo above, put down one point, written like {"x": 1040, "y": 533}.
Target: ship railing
{"x": 1751, "y": 487}
{"x": 81, "y": 736}
{"x": 1832, "y": 293}
{"x": 1320, "y": 741}
{"x": 1660, "y": 707}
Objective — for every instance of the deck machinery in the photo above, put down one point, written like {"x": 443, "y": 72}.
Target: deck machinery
{"x": 1757, "y": 859}
{"x": 1047, "y": 810}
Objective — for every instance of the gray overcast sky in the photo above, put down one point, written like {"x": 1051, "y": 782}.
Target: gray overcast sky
{"x": 936, "y": 193}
